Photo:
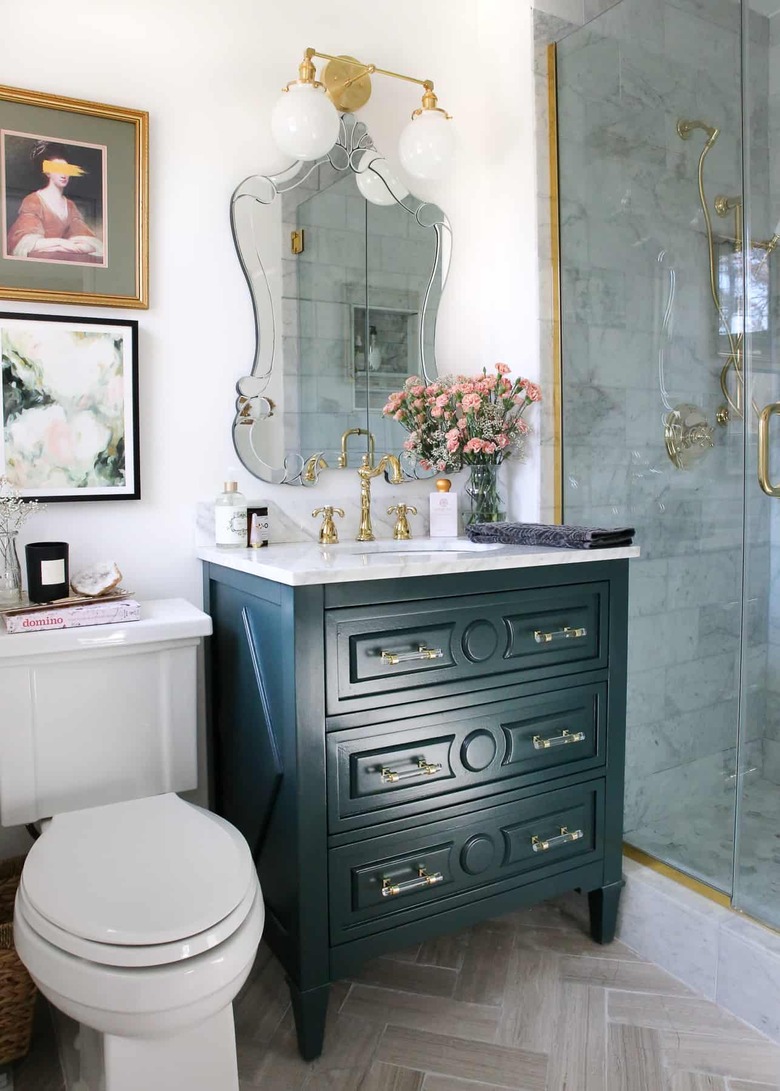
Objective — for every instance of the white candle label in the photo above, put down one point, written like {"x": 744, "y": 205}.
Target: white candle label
{"x": 52, "y": 572}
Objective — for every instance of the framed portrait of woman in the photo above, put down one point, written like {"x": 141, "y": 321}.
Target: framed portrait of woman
{"x": 74, "y": 219}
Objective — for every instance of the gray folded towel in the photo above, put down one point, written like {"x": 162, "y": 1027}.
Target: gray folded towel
{"x": 551, "y": 535}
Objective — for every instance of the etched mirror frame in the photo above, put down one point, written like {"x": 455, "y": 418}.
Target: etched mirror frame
{"x": 258, "y": 426}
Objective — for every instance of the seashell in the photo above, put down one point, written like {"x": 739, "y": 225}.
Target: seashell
{"x": 97, "y": 579}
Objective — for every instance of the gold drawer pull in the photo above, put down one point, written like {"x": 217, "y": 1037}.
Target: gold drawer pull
{"x": 393, "y": 658}
{"x": 558, "y": 740}
{"x": 554, "y": 842}
{"x": 390, "y": 889}
{"x": 424, "y": 769}
{"x": 566, "y": 633}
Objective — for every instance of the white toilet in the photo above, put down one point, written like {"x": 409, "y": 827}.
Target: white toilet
{"x": 138, "y": 914}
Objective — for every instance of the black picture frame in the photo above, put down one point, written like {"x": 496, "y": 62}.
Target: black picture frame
{"x": 69, "y": 407}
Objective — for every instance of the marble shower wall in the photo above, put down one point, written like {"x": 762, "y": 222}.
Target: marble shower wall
{"x": 640, "y": 336}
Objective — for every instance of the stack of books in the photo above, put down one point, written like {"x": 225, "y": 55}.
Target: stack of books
{"x": 70, "y": 613}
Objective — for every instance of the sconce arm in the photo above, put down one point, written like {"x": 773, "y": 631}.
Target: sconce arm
{"x": 367, "y": 69}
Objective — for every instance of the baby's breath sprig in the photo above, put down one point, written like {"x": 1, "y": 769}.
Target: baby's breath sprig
{"x": 14, "y": 511}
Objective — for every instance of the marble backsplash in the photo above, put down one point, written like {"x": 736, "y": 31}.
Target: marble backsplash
{"x": 292, "y": 521}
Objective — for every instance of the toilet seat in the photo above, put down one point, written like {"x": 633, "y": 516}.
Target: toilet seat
{"x": 146, "y": 955}
{"x": 139, "y": 883}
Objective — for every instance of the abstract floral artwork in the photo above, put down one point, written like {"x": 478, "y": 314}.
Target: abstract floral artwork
{"x": 69, "y": 400}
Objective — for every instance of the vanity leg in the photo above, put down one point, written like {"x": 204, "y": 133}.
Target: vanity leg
{"x": 309, "y": 1009}
{"x": 603, "y": 906}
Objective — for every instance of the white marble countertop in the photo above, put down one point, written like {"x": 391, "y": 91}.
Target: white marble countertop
{"x": 297, "y": 564}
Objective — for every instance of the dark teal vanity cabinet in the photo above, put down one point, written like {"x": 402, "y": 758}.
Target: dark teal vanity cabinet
{"x": 409, "y": 756}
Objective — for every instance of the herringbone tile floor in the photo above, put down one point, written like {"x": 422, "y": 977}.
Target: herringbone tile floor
{"x": 525, "y": 1002}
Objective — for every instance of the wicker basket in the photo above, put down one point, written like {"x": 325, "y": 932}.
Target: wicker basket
{"x": 17, "y": 991}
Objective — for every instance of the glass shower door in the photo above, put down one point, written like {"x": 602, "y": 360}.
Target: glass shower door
{"x": 649, "y": 103}
{"x": 757, "y": 860}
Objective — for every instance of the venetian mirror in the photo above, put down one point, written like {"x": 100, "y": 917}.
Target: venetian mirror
{"x": 346, "y": 271}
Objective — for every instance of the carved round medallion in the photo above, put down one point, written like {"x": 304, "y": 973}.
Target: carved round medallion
{"x": 478, "y": 750}
{"x": 477, "y": 854}
{"x": 479, "y": 641}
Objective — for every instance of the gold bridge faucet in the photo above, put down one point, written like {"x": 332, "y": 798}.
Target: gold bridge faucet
{"x": 366, "y": 472}
{"x": 344, "y": 458}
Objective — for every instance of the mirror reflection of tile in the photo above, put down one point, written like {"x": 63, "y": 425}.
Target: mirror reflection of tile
{"x": 350, "y": 312}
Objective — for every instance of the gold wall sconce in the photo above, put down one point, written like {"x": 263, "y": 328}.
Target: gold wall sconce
{"x": 305, "y": 120}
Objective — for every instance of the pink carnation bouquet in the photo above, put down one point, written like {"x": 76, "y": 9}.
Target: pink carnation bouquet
{"x": 464, "y": 420}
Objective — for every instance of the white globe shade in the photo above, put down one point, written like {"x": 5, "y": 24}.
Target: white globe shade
{"x": 304, "y": 122}
{"x": 377, "y": 182}
{"x": 426, "y": 145}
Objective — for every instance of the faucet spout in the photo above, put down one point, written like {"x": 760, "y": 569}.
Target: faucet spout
{"x": 344, "y": 457}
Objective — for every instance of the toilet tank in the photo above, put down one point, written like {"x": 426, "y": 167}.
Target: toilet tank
{"x": 99, "y": 714}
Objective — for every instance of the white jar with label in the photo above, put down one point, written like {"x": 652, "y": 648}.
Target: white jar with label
{"x": 444, "y": 510}
{"x": 230, "y": 518}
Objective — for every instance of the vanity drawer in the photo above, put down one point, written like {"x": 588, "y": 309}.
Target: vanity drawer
{"x": 397, "y": 650}
{"x": 403, "y": 876}
{"x": 381, "y": 773}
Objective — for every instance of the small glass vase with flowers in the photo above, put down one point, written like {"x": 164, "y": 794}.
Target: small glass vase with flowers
{"x": 474, "y": 421}
{"x": 14, "y": 513}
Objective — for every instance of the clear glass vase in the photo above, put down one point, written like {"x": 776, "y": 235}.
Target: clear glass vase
{"x": 10, "y": 571}
{"x": 487, "y": 504}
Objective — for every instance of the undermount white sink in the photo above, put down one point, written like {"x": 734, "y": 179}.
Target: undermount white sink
{"x": 422, "y": 545}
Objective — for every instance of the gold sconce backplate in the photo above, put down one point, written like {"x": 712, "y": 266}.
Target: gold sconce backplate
{"x": 688, "y": 435}
{"x": 335, "y": 75}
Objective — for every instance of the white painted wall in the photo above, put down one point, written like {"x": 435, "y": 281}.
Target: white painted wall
{"x": 209, "y": 73}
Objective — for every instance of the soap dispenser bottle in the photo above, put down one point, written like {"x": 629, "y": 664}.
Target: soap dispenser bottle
{"x": 444, "y": 510}
{"x": 230, "y": 518}
{"x": 360, "y": 356}
{"x": 374, "y": 351}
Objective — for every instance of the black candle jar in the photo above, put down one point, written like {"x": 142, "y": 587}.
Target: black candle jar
{"x": 47, "y": 571}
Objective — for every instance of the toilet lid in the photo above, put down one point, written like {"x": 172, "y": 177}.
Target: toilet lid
{"x": 147, "y": 871}
{"x": 146, "y": 955}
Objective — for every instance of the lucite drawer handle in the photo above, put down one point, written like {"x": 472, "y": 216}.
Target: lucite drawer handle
{"x": 390, "y": 889}
{"x": 392, "y": 658}
{"x": 424, "y": 769}
{"x": 558, "y": 740}
{"x": 566, "y": 633}
{"x": 554, "y": 842}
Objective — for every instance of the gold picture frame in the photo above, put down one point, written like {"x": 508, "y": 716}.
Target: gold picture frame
{"x": 74, "y": 201}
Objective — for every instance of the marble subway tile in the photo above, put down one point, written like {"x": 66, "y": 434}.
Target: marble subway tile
{"x": 705, "y": 579}
{"x": 589, "y": 418}
{"x": 771, "y": 762}
{"x": 331, "y": 321}
{"x": 646, "y": 699}
{"x": 694, "y": 41}
{"x": 591, "y": 70}
{"x": 569, "y": 10}
{"x": 596, "y": 296}
{"x": 723, "y": 13}
{"x": 700, "y": 683}
{"x": 628, "y": 356}
{"x": 720, "y": 628}
{"x": 661, "y": 640}
{"x": 549, "y": 27}
{"x": 667, "y": 744}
